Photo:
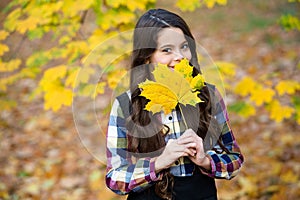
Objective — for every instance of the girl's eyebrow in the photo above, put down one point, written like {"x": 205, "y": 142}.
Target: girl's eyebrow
{"x": 171, "y": 45}
{"x": 165, "y": 45}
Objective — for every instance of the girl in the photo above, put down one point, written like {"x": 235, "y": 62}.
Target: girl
{"x": 158, "y": 156}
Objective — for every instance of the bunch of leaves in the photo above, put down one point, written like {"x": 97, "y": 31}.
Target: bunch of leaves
{"x": 290, "y": 21}
{"x": 63, "y": 24}
{"x": 165, "y": 95}
{"x": 271, "y": 97}
{"x": 193, "y": 4}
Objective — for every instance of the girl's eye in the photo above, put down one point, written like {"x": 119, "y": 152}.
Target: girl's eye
{"x": 167, "y": 50}
{"x": 185, "y": 46}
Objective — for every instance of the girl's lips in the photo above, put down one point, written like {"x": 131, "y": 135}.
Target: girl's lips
{"x": 171, "y": 68}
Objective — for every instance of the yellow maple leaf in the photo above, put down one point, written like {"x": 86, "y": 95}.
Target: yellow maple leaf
{"x": 197, "y": 82}
{"x": 184, "y": 68}
{"x": 262, "y": 95}
{"x": 226, "y": 68}
{"x": 3, "y": 48}
{"x": 53, "y": 73}
{"x": 188, "y": 5}
{"x": 10, "y": 66}
{"x": 71, "y": 79}
{"x": 278, "y": 112}
{"x": 29, "y": 23}
{"x": 165, "y": 94}
{"x": 3, "y": 34}
{"x": 222, "y": 2}
{"x": 210, "y": 3}
{"x": 54, "y": 99}
{"x": 160, "y": 96}
{"x": 288, "y": 87}
{"x": 245, "y": 86}
{"x": 114, "y": 77}
{"x": 71, "y": 8}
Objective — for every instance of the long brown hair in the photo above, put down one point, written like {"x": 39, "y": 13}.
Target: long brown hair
{"x": 146, "y": 131}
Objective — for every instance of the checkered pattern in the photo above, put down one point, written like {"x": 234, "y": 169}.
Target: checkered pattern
{"x": 126, "y": 173}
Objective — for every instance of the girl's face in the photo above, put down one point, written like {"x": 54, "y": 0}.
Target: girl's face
{"x": 172, "y": 47}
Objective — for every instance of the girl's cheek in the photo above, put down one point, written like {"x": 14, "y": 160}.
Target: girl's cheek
{"x": 165, "y": 61}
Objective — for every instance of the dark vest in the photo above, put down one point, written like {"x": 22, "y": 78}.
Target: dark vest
{"x": 195, "y": 187}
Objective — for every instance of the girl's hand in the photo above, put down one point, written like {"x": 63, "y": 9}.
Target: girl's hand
{"x": 172, "y": 152}
{"x": 199, "y": 158}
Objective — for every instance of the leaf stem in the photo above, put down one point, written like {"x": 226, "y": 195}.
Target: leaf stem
{"x": 182, "y": 115}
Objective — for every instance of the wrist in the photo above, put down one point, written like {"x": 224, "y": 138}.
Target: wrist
{"x": 157, "y": 164}
{"x": 205, "y": 162}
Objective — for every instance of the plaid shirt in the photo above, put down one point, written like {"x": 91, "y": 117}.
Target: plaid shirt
{"x": 125, "y": 174}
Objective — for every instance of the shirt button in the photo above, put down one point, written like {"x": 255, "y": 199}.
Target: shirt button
{"x": 176, "y": 162}
{"x": 170, "y": 118}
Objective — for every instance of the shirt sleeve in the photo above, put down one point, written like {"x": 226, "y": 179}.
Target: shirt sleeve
{"x": 124, "y": 173}
{"x": 224, "y": 164}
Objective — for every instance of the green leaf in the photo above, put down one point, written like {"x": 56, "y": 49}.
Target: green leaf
{"x": 241, "y": 108}
{"x": 36, "y": 33}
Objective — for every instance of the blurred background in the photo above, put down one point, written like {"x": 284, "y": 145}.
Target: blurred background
{"x": 53, "y": 51}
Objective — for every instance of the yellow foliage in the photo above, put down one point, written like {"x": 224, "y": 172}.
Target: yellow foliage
{"x": 197, "y": 82}
{"x": 226, "y": 68}
{"x": 165, "y": 94}
{"x": 262, "y": 95}
{"x": 161, "y": 97}
{"x": 71, "y": 79}
{"x": 114, "y": 77}
{"x": 184, "y": 68}
{"x": 188, "y": 5}
{"x": 222, "y": 2}
{"x": 288, "y": 87}
{"x": 10, "y": 21}
{"x": 242, "y": 108}
{"x": 88, "y": 90}
{"x": 138, "y": 4}
{"x": 3, "y": 34}
{"x": 193, "y": 4}
{"x": 4, "y": 82}
{"x": 27, "y": 24}
{"x": 3, "y": 48}
{"x": 248, "y": 186}
{"x": 6, "y": 104}
{"x": 100, "y": 88}
{"x": 245, "y": 86}
{"x": 75, "y": 49}
{"x": 249, "y": 111}
{"x": 211, "y": 3}
{"x": 83, "y": 75}
{"x": 10, "y": 66}
{"x": 278, "y": 112}
{"x": 57, "y": 97}
{"x": 186, "y": 71}
{"x": 44, "y": 12}
{"x": 116, "y": 3}
{"x": 289, "y": 177}
{"x": 289, "y": 22}
{"x": 71, "y": 8}
{"x": 55, "y": 73}
{"x": 56, "y": 94}
{"x": 115, "y": 17}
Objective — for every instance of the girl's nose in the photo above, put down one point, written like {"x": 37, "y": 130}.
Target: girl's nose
{"x": 178, "y": 56}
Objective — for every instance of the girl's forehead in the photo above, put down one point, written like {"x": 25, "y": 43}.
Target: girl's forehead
{"x": 173, "y": 35}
